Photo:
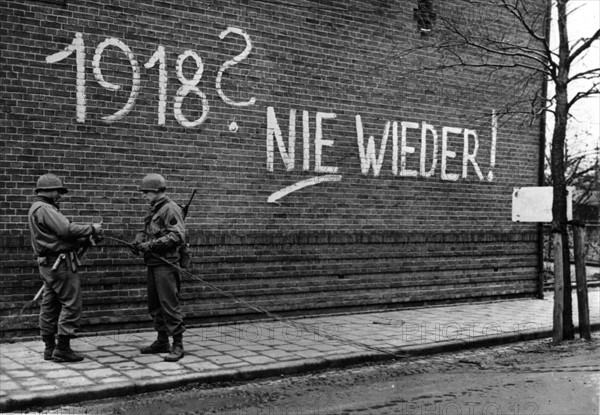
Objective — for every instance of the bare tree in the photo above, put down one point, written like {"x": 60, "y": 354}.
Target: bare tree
{"x": 465, "y": 34}
{"x": 581, "y": 172}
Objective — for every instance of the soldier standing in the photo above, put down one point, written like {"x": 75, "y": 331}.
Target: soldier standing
{"x": 164, "y": 233}
{"x": 55, "y": 241}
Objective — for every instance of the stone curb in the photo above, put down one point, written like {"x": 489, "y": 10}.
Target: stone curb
{"x": 53, "y": 398}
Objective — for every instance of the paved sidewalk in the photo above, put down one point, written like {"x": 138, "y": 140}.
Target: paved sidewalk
{"x": 114, "y": 366}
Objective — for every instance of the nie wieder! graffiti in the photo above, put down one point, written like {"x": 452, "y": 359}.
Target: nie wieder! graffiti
{"x": 370, "y": 159}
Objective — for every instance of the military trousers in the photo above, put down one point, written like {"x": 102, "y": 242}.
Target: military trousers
{"x": 163, "y": 299}
{"x": 60, "y": 309}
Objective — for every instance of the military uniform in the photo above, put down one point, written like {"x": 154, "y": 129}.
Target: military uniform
{"x": 163, "y": 235}
{"x": 55, "y": 241}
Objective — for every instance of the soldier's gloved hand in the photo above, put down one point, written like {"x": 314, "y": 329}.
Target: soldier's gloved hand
{"x": 134, "y": 248}
{"x": 145, "y": 247}
{"x": 97, "y": 228}
{"x": 95, "y": 240}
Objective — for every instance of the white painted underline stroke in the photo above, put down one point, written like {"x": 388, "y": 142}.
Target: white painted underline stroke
{"x": 302, "y": 184}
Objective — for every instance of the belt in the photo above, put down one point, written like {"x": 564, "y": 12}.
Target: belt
{"x": 53, "y": 256}
{"x": 51, "y": 259}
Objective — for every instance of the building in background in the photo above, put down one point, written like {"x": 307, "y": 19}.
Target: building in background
{"x": 334, "y": 172}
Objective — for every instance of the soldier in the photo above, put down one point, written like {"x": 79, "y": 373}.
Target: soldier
{"x": 164, "y": 233}
{"x": 55, "y": 241}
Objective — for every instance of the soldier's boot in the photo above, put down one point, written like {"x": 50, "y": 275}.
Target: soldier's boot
{"x": 50, "y": 343}
{"x": 177, "y": 349}
{"x": 160, "y": 345}
{"x": 63, "y": 351}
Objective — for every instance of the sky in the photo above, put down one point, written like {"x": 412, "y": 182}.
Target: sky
{"x": 583, "y": 21}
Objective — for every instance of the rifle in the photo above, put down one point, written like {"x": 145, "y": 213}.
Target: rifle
{"x": 186, "y": 208}
{"x": 185, "y": 259}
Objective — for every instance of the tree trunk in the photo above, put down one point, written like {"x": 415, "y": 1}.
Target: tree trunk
{"x": 557, "y": 160}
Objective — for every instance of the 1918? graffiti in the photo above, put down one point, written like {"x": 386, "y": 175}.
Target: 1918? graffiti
{"x": 187, "y": 85}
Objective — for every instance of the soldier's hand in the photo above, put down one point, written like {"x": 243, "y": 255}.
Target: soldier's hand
{"x": 96, "y": 239}
{"x": 145, "y": 247}
{"x": 134, "y": 248}
{"x": 97, "y": 228}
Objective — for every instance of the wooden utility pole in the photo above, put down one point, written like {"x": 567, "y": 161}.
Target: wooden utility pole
{"x": 582, "y": 291}
{"x": 557, "y": 321}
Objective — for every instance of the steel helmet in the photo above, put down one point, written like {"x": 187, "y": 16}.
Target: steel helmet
{"x": 153, "y": 183}
{"x": 50, "y": 181}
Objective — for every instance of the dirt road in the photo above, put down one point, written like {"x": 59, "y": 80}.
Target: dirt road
{"x": 527, "y": 378}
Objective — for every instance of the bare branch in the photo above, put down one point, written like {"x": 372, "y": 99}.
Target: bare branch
{"x": 590, "y": 74}
{"x": 584, "y": 46}
{"x": 540, "y": 59}
{"x": 541, "y": 39}
{"x": 594, "y": 90}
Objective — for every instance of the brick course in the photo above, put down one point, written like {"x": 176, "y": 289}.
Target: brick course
{"x": 364, "y": 242}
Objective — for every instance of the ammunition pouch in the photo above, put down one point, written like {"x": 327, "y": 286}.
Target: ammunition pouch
{"x": 185, "y": 257}
{"x": 48, "y": 259}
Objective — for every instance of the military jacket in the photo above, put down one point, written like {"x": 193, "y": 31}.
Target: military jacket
{"x": 164, "y": 228}
{"x": 51, "y": 232}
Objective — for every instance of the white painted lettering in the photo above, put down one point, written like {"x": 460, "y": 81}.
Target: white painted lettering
{"x": 319, "y": 143}
{"x": 306, "y": 140}
{"x": 490, "y": 176}
{"x": 446, "y": 154}
{"x": 291, "y": 140}
{"x": 404, "y": 149}
{"x": 189, "y": 85}
{"x": 135, "y": 87}
{"x": 368, "y": 158}
{"x": 471, "y": 157}
{"x": 179, "y": 68}
{"x": 78, "y": 46}
{"x": 395, "y": 149}
{"x": 369, "y": 155}
{"x": 231, "y": 63}
{"x": 160, "y": 56}
{"x": 274, "y": 130}
{"x": 424, "y": 128}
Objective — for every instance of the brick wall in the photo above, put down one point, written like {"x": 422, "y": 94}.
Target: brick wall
{"x": 212, "y": 95}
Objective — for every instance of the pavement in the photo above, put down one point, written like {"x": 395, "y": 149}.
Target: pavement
{"x": 114, "y": 367}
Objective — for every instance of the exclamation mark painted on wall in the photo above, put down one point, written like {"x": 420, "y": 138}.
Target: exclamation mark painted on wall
{"x": 490, "y": 175}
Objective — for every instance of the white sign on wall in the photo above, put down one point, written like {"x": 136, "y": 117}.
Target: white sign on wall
{"x": 534, "y": 204}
